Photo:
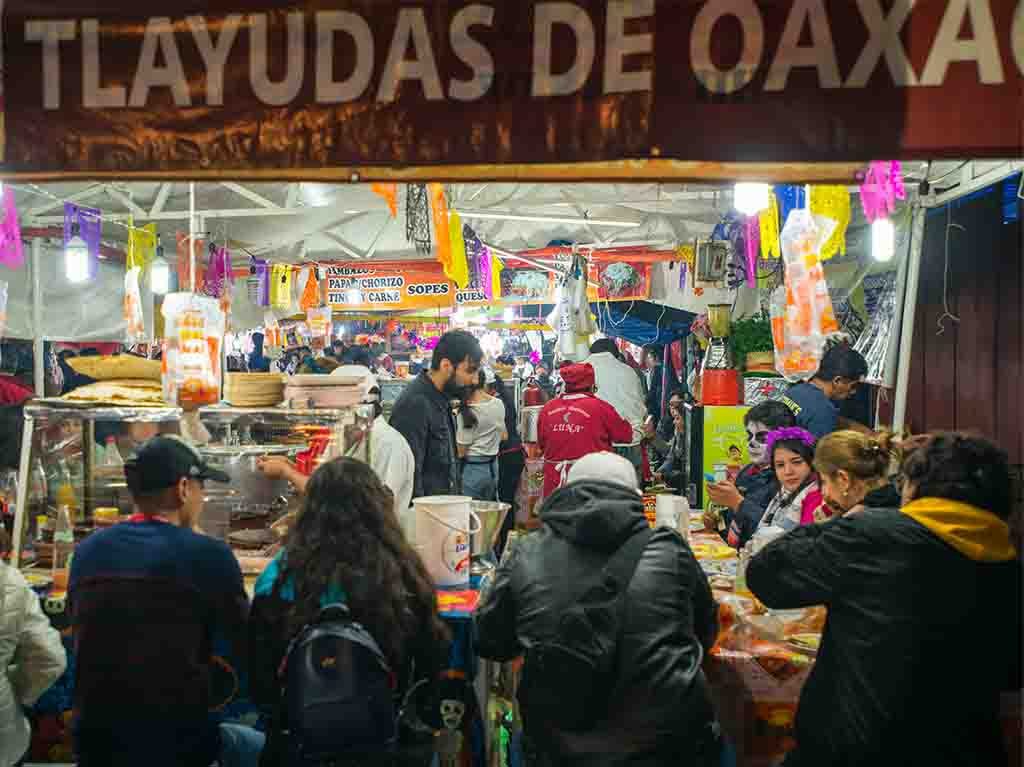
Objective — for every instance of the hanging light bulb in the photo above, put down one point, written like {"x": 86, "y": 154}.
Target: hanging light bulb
{"x": 459, "y": 316}
{"x": 509, "y": 315}
{"x": 76, "y": 257}
{"x": 353, "y": 296}
{"x": 883, "y": 240}
{"x": 160, "y": 272}
{"x": 749, "y": 199}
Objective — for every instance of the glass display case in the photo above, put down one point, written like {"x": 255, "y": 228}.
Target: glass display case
{"x": 72, "y": 466}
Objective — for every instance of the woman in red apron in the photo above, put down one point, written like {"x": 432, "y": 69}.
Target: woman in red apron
{"x": 576, "y": 424}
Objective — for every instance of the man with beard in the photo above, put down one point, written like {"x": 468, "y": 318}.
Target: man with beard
{"x": 423, "y": 414}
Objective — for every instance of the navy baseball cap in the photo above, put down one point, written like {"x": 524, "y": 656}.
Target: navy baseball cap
{"x": 160, "y": 462}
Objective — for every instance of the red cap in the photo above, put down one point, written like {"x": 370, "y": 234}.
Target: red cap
{"x": 578, "y": 377}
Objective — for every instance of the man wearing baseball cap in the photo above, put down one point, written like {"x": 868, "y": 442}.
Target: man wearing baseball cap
{"x": 146, "y": 598}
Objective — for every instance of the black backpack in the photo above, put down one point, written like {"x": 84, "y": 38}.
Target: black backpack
{"x": 567, "y": 678}
{"x": 338, "y": 692}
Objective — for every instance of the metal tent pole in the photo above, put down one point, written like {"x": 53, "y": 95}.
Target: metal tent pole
{"x": 899, "y": 413}
{"x": 38, "y": 350}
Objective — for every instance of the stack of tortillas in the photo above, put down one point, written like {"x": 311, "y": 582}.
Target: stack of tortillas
{"x": 254, "y": 389}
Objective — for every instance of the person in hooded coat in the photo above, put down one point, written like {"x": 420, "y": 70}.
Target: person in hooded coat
{"x": 923, "y": 633}
{"x": 659, "y": 714}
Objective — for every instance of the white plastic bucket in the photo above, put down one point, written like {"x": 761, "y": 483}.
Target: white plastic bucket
{"x": 443, "y": 526}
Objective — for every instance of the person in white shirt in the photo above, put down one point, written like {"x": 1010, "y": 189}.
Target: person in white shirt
{"x": 31, "y": 659}
{"x": 481, "y": 429}
{"x": 617, "y": 383}
{"x": 389, "y": 454}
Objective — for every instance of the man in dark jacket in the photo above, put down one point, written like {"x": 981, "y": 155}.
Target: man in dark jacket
{"x": 924, "y": 617}
{"x": 658, "y": 713}
{"x": 745, "y": 500}
{"x": 423, "y": 414}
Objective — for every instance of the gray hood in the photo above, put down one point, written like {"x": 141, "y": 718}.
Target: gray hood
{"x": 593, "y": 514}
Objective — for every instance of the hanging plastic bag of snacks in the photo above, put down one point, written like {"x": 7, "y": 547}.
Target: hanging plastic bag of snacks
{"x": 135, "y": 325}
{"x": 802, "y": 314}
{"x": 319, "y": 322}
{"x": 194, "y": 332}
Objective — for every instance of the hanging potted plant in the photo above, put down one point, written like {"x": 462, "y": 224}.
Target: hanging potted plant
{"x": 752, "y": 345}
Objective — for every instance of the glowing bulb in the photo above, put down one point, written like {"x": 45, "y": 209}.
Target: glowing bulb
{"x": 160, "y": 276}
{"x": 342, "y": 331}
{"x": 459, "y": 316}
{"x": 749, "y": 199}
{"x": 76, "y": 257}
{"x": 353, "y": 296}
{"x": 883, "y": 240}
{"x": 509, "y": 315}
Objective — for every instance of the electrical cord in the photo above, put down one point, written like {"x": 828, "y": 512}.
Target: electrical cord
{"x": 946, "y": 313}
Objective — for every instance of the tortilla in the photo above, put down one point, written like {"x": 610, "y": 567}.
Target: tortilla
{"x": 121, "y": 366}
{"x": 126, "y": 393}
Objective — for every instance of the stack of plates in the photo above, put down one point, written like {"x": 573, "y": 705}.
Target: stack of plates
{"x": 254, "y": 389}
{"x": 324, "y": 391}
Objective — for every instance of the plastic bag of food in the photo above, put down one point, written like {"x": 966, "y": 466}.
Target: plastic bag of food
{"x": 802, "y": 315}
{"x": 319, "y": 323}
{"x": 135, "y": 325}
{"x": 194, "y": 331}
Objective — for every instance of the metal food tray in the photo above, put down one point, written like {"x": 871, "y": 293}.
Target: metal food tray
{"x": 52, "y": 408}
{"x": 325, "y": 416}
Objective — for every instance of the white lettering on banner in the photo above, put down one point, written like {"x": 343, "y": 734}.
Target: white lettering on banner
{"x": 471, "y": 53}
{"x": 429, "y": 289}
{"x": 725, "y": 81}
{"x": 159, "y": 38}
{"x": 348, "y": 271}
{"x": 949, "y": 46}
{"x": 50, "y": 34}
{"x": 93, "y": 95}
{"x": 624, "y": 68}
{"x": 820, "y": 54}
{"x": 618, "y": 45}
{"x": 1017, "y": 36}
{"x": 215, "y": 54}
{"x": 577, "y": 411}
{"x": 884, "y": 40}
{"x": 470, "y": 296}
{"x": 545, "y": 16}
{"x": 411, "y": 26}
{"x": 328, "y": 24}
{"x": 280, "y": 93}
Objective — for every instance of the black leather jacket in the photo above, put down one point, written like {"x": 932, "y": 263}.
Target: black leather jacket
{"x": 423, "y": 415}
{"x": 658, "y": 703}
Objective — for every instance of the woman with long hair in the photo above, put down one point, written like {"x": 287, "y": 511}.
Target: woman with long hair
{"x": 798, "y": 502}
{"x": 511, "y": 456}
{"x": 347, "y": 546}
{"x": 481, "y": 430}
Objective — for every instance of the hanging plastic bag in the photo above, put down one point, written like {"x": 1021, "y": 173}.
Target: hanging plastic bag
{"x": 319, "y": 322}
{"x": 194, "y": 332}
{"x": 281, "y": 286}
{"x": 311, "y": 292}
{"x": 273, "y": 338}
{"x": 135, "y": 324}
{"x": 3, "y": 308}
{"x": 802, "y": 315}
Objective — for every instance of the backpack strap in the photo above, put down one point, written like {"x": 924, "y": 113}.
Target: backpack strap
{"x": 619, "y": 570}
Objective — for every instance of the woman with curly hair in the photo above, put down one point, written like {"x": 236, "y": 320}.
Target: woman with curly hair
{"x": 347, "y": 547}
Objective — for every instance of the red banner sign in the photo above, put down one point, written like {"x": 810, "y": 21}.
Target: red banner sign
{"x": 251, "y": 85}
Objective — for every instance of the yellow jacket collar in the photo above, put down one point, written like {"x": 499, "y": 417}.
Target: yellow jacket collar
{"x": 977, "y": 534}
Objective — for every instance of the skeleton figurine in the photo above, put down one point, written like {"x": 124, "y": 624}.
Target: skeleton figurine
{"x": 449, "y": 742}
